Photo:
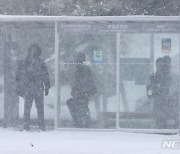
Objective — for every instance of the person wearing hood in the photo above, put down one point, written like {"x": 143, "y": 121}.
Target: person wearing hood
{"x": 35, "y": 83}
{"x": 160, "y": 83}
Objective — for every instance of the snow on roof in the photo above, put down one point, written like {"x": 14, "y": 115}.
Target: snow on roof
{"x": 19, "y": 18}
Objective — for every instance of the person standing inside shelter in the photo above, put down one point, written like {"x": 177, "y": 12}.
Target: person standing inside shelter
{"x": 160, "y": 84}
{"x": 83, "y": 87}
{"x": 33, "y": 82}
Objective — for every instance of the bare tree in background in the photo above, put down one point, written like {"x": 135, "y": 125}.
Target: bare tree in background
{"x": 90, "y": 7}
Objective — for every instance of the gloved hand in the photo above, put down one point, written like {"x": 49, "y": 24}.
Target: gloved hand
{"x": 46, "y": 92}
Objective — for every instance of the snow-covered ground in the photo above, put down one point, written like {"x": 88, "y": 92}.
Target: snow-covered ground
{"x": 83, "y": 142}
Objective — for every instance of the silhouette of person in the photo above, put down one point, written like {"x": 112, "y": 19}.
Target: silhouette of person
{"x": 160, "y": 84}
{"x": 33, "y": 79}
{"x": 83, "y": 88}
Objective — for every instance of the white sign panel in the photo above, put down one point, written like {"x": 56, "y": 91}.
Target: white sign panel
{"x": 98, "y": 57}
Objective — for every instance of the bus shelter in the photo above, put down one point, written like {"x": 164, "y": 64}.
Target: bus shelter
{"x": 121, "y": 53}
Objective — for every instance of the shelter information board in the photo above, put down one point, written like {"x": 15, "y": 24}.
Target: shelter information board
{"x": 119, "y": 27}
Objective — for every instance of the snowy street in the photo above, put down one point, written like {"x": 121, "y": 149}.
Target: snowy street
{"x": 83, "y": 142}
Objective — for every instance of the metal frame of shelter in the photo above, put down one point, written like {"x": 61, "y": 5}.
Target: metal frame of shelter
{"x": 141, "y": 24}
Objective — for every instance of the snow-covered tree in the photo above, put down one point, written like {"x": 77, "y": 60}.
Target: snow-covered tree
{"x": 90, "y": 7}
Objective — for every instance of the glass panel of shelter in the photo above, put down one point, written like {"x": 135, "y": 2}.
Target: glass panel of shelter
{"x": 2, "y": 38}
{"x": 136, "y": 65}
{"x": 168, "y": 45}
{"x": 99, "y": 89}
{"x": 139, "y": 52}
{"x": 149, "y": 67}
{"x": 140, "y": 47}
{"x": 18, "y": 38}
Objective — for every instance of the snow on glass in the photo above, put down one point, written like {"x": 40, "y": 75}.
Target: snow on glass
{"x": 87, "y": 77}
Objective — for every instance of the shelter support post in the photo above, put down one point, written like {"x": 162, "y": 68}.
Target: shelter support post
{"x": 11, "y": 99}
{"x": 117, "y": 79}
{"x": 152, "y": 52}
{"x": 57, "y": 86}
{"x": 179, "y": 85}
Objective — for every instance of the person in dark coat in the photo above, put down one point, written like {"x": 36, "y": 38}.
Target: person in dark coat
{"x": 160, "y": 83}
{"x": 33, "y": 81}
{"x": 83, "y": 88}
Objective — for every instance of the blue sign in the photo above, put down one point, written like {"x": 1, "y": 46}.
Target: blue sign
{"x": 166, "y": 44}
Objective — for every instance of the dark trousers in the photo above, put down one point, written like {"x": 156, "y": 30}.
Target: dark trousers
{"x": 39, "y": 102}
{"x": 160, "y": 110}
{"x": 79, "y": 111}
